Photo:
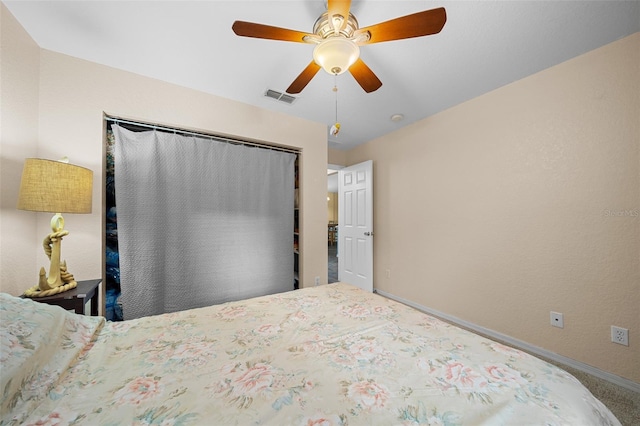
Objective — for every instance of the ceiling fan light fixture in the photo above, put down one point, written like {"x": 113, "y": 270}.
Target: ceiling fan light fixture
{"x": 336, "y": 54}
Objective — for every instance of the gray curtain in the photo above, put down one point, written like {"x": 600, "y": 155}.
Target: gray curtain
{"x": 200, "y": 221}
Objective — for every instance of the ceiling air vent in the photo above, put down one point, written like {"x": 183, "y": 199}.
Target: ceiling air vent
{"x": 279, "y": 96}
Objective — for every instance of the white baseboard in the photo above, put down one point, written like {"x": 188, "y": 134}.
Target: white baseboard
{"x": 604, "y": 375}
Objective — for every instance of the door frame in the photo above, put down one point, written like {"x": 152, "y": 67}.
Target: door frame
{"x": 333, "y": 169}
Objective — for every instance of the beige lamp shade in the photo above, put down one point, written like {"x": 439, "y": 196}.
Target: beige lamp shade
{"x": 55, "y": 187}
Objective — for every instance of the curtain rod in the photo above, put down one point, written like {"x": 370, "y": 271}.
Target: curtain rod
{"x": 204, "y": 135}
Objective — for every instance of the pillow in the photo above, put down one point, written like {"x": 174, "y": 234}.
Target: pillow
{"x": 38, "y": 343}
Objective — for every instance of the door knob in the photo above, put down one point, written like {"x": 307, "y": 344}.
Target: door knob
{"x": 368, "y": 234}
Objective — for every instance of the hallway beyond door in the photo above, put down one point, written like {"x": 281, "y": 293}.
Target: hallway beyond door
{"x": 333, "y": 263}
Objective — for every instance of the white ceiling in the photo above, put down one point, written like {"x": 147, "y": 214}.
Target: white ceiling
{"x": 484, "y": 45}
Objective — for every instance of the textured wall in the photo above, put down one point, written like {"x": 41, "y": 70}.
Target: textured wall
{"x": 523, "y": 201}
{"x": 19, "y": 84}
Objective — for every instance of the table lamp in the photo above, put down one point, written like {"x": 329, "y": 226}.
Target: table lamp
{"x": 55, "y": 187}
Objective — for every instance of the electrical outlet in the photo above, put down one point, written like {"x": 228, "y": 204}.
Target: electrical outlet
{"x": 620, "y": 335}
{"x": 387, "y": 273}
{"x": 557, "y": 319}
{"x": 317, "y": 281}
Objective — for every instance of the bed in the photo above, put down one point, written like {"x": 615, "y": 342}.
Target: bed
{"x": 328, "y": 355}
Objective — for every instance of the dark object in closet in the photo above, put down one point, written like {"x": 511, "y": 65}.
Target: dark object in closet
{"x": 112, "y": 271}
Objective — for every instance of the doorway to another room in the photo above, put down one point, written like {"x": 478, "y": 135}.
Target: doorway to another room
{"x": 350, "y": 232}
{"x": 332, "y": 223}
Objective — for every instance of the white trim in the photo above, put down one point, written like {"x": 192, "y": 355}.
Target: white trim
{"x": 586, "y": 368}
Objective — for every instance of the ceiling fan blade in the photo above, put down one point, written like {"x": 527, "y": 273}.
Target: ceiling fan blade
{"x": 250, "y": 29}
{"x": 339, "y": 7}
{"x": 418, "y": 24}
{"x": 364, "y": 76}
{"x": 304, "y": 78}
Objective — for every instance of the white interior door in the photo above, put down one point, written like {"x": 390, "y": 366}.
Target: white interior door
{"x": 355, "y": 225}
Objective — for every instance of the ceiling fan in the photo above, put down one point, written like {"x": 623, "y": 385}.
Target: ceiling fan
{"x": 337, "y": 37}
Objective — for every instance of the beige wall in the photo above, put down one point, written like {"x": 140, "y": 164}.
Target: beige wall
{"x": 19, "y": 84}
{"x": 66, "y": 109}
{"x": 506, "y": 207}
{"x": 337, "y": 157}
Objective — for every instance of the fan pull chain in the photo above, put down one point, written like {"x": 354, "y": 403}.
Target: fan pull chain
{"x": 335, "y": 89}
{"x": 336, "y": 127}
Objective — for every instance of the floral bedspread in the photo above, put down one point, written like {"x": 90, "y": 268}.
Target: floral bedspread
{"x": 328, "y": 355}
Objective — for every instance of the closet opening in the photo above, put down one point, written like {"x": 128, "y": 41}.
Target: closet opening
{"x": 207, "y": 250}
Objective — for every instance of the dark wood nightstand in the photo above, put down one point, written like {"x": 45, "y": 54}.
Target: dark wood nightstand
{"x": 76, "y": 299}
